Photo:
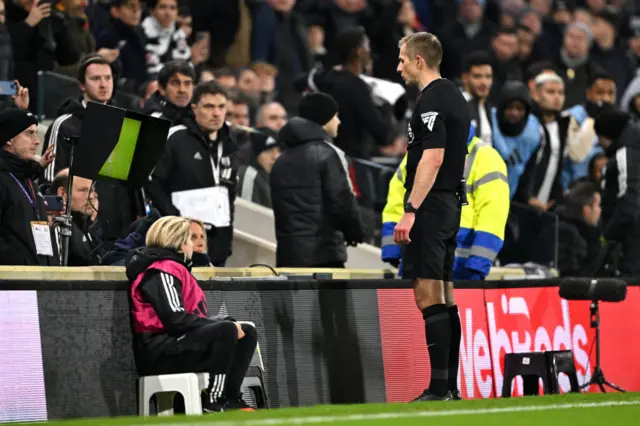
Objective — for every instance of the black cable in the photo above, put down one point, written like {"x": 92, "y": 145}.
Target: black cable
{"x": 266, "y": 266}
{"x": 586, "y": 369}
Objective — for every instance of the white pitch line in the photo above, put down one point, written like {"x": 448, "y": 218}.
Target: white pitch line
{"x": 402, "y": 415}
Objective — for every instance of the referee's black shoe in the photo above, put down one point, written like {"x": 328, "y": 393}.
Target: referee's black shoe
{"x": 456, "y": 395}
{"x": 428, "y": 396}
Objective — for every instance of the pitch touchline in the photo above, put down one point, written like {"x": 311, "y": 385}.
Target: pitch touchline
{"x": 403, "y": 415}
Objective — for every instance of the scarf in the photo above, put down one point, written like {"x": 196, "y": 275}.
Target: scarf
{"x": 20, "y": 168}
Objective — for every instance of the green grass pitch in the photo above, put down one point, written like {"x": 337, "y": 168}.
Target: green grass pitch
{"x": 570, "y": 409}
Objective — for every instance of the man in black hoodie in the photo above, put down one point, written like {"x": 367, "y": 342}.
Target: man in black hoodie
{"x": 172, "y": 99}
{"x": 621, "y": 186}
{"x": 253, "y": 179}
{"x": 359, "y": 115}
{"x": 200, "y": 154}
{"x": 120, "y": 206}
{"x": 25, "y": 236}
{"x": 315, "y": 209}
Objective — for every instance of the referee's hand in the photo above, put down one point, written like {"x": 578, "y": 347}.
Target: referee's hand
{"x": 403, "y": 229}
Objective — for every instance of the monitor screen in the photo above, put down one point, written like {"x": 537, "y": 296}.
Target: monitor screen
{"x": 119, "y": 162}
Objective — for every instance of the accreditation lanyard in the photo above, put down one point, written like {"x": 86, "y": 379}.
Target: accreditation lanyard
{"x": 32, "y": 201}
{"x": 215, "y": 165}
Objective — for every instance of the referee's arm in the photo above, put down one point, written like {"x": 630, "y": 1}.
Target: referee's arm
{"x": 433, "y": 145}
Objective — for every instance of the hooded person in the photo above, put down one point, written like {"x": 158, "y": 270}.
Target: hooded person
{"x": 516, "y": 131}
{"x": 315, "y": 209}
{"x": 253, "y": 179}
{"x": 631, "y": 99}
{"x": 25, "y": 235}
{"x": 621, "y": 186}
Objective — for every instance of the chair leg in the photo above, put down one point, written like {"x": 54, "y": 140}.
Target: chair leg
{"x": 144, "y": 400}
{"x": 165, "y": 403}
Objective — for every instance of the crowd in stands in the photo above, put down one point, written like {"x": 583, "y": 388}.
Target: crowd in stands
{"x": 551, "y": 86}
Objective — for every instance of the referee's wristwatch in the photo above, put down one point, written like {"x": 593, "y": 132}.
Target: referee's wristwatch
{"x": 408, "y": 208}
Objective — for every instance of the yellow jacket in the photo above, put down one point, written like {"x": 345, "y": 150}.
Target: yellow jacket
{"x": 482, "y": 222}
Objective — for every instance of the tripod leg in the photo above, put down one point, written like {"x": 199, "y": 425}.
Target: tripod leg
{"x": 602, "y": 388}
{"x": 616, "y": 387}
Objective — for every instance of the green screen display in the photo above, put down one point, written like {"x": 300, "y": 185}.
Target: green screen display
{"x": 118, "y": 164}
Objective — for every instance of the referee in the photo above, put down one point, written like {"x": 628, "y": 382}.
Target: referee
{"x": 437, "y": 148}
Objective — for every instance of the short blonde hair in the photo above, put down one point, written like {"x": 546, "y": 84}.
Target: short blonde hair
{"x": 204, "y": 231}
{"x": 425, "y": 45}
{"x": 169, "y": 232}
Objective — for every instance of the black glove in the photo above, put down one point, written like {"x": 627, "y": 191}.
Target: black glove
{"x": 147, "y": 221}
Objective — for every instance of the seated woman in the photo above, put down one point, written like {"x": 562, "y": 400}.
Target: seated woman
{"x": 199, "y": 238}
{"x": 172, "y": 333}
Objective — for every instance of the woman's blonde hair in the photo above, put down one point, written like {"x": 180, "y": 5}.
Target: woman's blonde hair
{"x": 204, "y": 232}
{"x": 170, "y": 232}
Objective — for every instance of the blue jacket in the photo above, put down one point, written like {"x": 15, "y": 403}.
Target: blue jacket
{"x": 516, "y": 150}
{"x": 572, "y": 171}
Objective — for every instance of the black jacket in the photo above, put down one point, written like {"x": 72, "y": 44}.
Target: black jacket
{"x": 119, "y": 206}
{"x": 579, "y": 246}
{"x": 253, "y": 185}
{"x": 359, "y": 116}
{"x": 16, "y": 214}
{"x": 621, "y": 198}
{"x": 313, "y": 203}
{"x": 86, "y": 247}
{"x": 185, "y": 165}
{"x": 30, "y": 51}
{"x": 159, "y": 106}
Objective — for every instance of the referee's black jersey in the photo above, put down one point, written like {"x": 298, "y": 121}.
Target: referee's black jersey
{"x": 441, "y": 120}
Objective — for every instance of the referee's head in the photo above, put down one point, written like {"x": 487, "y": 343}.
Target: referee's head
{"x": 419, "y": 53}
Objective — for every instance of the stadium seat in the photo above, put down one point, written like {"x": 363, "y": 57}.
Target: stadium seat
{"x": 561, "y": 362}
{"x": 164, "y": 387}
{"x": 531, "y": 366}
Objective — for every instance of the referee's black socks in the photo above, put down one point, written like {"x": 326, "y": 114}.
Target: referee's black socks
{"x": 454, "y": 349}
{"x": 438, "y": 330}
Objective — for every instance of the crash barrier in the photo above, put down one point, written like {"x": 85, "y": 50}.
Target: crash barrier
{"x": 66, "y": 344}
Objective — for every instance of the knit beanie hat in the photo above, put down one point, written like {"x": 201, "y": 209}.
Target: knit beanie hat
{"x": 14, "y": 121}
{"x": 318, "y": 107}
{"x": 611, "y": 123}
{"x": 263, "y": 140}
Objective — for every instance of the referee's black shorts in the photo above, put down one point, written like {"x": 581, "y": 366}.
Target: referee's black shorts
{"x": 432, "y": 249}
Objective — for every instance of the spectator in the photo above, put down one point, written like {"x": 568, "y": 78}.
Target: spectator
{"x": 173, "y": 97}
{"x": 596, "y": 167}
{"x": 579, "y": 247}
{"x": 573, "y": 63}
{"x": 225, "y": 78}
{"x": 315, "y": 38}
{"x": 359, "y": 115}
{"x": 267, "y": 75}
{"x": 271, "y": 115}
{"x": 77, "y": 23}
{"x": 25, "y": 236}
{"x": 471, "y": 32}
{"x": 6, "y": 52}
{"x": 199, "y": 238}
{"x": 125, "y": 34}
{"x": 202, "y": 143}
{"x": 204, "y": 73}
{"x": 253, "y": 179}
{"x": 540, "y": 185}
{"x": 230, "y": 25}
{"x": 279, "y": 38}
{"x": 38, "y": 43}
{"x": 516, "y": 131}
{"x": 86, "y": 247}
{"x": 172, "y": 333}
{"x": 526, "y": 42}
{"x": 134, "y": 239}
{"x": 601, "y": 94}
{"x": 20, "y": 100}
{"x": 120, "y": 205}
{"x": 478, "y": 75}
{"x": 504, "y": 47}
{"x": 249, "y": 83}
{"x": 631, "y": 99}
{"x": 239, "y": 112}
{"x": 165, "y": 41}
{"x": 542, "y": 67}
{"x": 314, "y": 205}
{"x": 621, "y": 187}
{"x": 605, "y": 53}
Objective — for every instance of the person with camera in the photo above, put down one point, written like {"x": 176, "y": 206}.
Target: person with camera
{"x": 25, "y": 235}
{"x": 172, "y": 333}
{"x": 40, "y": 39}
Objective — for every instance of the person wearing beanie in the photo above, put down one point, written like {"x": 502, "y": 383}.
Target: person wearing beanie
{"x": 621, "y": 187}
{"x": 253, "y": 179}
{"x": 573, "y": 63}
{"x": 25, "y": 235}
{"x": 314, "y": 205}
